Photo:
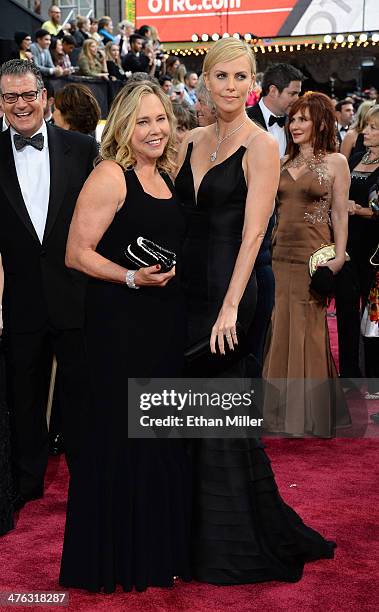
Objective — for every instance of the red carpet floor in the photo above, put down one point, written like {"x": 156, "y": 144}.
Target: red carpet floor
{"x": 333, "y": 484}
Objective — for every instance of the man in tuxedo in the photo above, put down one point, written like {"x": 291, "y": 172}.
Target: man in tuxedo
{"x": 42, "y": 170}
{"x": 345, "y": 115}
{"x": 281, "y": 86}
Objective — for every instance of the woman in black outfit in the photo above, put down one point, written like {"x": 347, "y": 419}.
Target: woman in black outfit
{"x": 128, "y": 506}
{"x": 227, "y": 181}
{"x": 112, "y": 55}
{"x": 362, "y": 242}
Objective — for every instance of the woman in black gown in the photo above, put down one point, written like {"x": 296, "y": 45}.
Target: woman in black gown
{"x": 128, "y": 507}
{"x": 228, "y": 177}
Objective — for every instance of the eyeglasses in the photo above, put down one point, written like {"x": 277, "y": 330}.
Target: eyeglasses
{"x": 27, "y": 96}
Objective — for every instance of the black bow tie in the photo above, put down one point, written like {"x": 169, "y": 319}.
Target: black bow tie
{"x": 281, "y": 121}
{"x": 22, "y": 141}
{"x": 344, "y": 129}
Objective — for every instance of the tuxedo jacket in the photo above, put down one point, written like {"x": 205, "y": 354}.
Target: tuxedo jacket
{"x": 255, "y": 113}
{"x": 264, "y": 254}
{"x": 38, "y": 288}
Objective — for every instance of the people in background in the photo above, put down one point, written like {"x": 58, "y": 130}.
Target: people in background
{"x": 92, "y": 61}
{"x": 281, "y": 87}
{"x": 352, "y": 292}
{"x": 105, "y": 29}
{"x": 136, "y": 60}
{"x": 126, "y": 29}
{"x": 53, "y": 24}
{"x": 353, "y": 141}
{"x": 204, "y": 107}
{"x": 190, "y": 82}
{"x": 311, "y": 207}
{"x": 112, "y": 56}
{"x": 42, "y": 56}
{"x": 76, "y": 109}
{"x": 93, "y": 30}
{"x": 345, "y": 115}
{"x": 82, "y": 32}
{"x": 185, "y": 119}
{"x": 23, "y": 42}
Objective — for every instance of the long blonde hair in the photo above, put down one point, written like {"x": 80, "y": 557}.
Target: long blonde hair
{"x": 85, "y": 52}
{"x": 118, "y": 131}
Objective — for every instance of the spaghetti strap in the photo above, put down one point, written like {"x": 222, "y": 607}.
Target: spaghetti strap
{"x": 253, "y": 137}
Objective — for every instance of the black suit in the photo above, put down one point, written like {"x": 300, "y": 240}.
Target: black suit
{"x": 265, "y": 281}
{"x": 43, "y": 303}
{"x": 255, "y": 113}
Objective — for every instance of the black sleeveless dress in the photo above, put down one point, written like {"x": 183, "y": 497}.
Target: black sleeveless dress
{"x": 243, "y": 532}
{"x": 129, "y": 500}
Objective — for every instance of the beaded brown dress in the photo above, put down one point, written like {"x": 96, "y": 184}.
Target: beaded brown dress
{"x": 304, "y": 396}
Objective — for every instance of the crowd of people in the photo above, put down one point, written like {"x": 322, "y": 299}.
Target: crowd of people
{"x": 245, "y": 196}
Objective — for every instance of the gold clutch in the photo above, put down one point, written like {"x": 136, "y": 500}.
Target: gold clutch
{"x": 324, "y": 254}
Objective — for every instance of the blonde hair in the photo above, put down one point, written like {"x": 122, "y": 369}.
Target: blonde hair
{"x": 118, "y": 132}
{"x": 108, "y": 52}
{"x": 85, "y": 50}
{"x": 361, "y": 116}
{"x": 226, "y": 50}
{"x": 373, "y": 113}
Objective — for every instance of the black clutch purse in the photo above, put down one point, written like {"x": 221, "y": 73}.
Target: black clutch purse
{"x": 200, "y": 362}
{"x": 144, "y": 253}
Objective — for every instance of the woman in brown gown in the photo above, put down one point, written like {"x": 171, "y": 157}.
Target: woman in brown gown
{"x": 312, "y": 211}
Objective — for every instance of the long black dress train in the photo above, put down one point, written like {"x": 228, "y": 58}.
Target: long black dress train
{"x": 129, "y": 500}
{"x": 243, "y": 530}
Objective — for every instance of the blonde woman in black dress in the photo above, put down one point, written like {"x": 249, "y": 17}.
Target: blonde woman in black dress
{"x": 227, "y": 180}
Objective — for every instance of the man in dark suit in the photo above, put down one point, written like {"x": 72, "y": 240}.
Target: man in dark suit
{"x": 281, "y": 86}
{"x": 345, "y": 116}
{"x": 135, "y": 60}
{"x": 42, "y": 170}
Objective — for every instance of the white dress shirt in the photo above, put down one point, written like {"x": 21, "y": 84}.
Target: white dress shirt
{"x": 342, "y": 132}
{"x": 5, "y": 124}
{"x": 33, "y": 173}
{"x": 278, "y": 132}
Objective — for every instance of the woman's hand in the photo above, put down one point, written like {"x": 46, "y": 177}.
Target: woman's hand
{"x": 334, "y": 265}
{"x": 151, "y": 277}
{"x": 351, "y": 207}
{"x": 224, "y": 329}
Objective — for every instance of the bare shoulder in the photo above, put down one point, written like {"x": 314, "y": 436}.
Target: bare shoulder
{"x": 260, "y": 138}
{"x": 108, "y": 169}
{"x": 337, "y": 162}
{"x": 201, "y": 134}
{"x": 106, "y": 183}
{"x": 262, "y": 148}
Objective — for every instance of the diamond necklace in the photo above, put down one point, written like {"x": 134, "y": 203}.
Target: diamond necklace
{"x": 366, "y": 161}
{"x": 213, "y": 155}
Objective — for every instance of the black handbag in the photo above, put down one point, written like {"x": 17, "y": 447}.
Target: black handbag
{"x": 200, "y": 362}
{"x": 144, "y": 253}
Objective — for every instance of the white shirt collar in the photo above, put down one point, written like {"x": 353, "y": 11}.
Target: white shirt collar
{"x": 266, "y": 111}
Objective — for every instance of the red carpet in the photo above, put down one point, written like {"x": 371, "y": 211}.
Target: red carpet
{"x": 333, "y": 485}
{"x": 335, "y": 492}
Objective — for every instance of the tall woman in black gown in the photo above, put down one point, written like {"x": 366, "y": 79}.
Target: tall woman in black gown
{"x": 128, "y": 507}
{"x": 228, "y": 177}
